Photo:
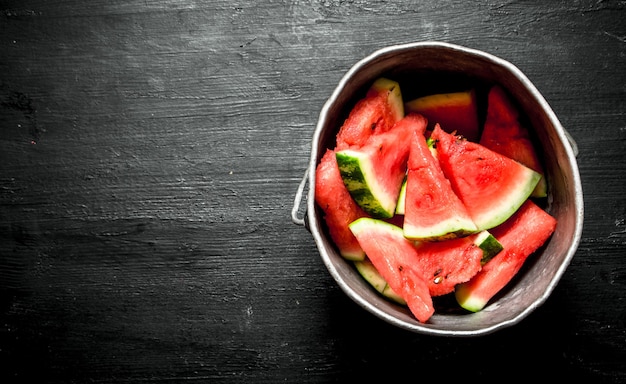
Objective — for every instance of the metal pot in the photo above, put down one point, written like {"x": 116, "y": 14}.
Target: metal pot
{"x": 424, "y": 65}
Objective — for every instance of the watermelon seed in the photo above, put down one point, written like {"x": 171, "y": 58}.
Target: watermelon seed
{"x": 438, "y": 279}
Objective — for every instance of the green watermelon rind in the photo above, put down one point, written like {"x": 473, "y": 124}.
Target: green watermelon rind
{"x": 463, "y": 166}
{"x": 451, "y": 228}
{"x": 357, "y": 172}
{"x": 504, "y": 208}
{"x": 394, "y": 98}
{"x": 369, "y": 272}
{"x": 400, "y": 205}
{"x": 489, "y": 245}
{"x": 451, "y": 224}
{"x": 467, "y": 301}
{"x": 484, "y": 240}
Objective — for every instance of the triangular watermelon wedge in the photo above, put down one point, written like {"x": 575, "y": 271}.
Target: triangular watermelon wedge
{"x": 338, "y": 206}
{"x": 432, "y": 211}
{"x": 395, "y": 258}
{"x": 373, "y": 173}
{"x": 521, "y": 235}
{"x": 492, "y": 186}
{"x": 504, "y": 133}
{"x": 377, "y": 112}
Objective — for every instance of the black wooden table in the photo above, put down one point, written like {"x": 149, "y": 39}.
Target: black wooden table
{"x": 149, "y": 156}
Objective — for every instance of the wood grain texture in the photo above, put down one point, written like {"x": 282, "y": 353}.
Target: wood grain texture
{"x": 149, "y": 156}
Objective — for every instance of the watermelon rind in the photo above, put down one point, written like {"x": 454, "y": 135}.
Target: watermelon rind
{"x": 492, "y": 186}
{"x": 489, "y": 245}
{"x": 373, "y": 173}
{"x": 520, "y": 236}
{"x": 375, "y": 113}
{"x": 451, "y": 228}
{"x": 394, "y": 98}
{"x": 433, "y": 211}
{"x": 505, "y": 133}
{"x": 503, "y": 209}
{"x": 357, "y": 172}
{"x": 454, "y": 111}
{"x": 400, "y": 205}
{"x": 339, "y": 209}
{"x": 395, "y": 258}
{"x": 369, "y": 272}
{"x": 465, "y": 299}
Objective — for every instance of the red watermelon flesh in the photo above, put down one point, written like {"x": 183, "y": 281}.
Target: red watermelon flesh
{"x": 432, "y": 210}
{"x": 447, "y": 263}
{"x": 455, "y": 111}
{"x": 525, "y": 232}
{"x": 338, "y": 206}
{"x": 391, "y": 151}
{"x": 375, "y": 113}
{"x": 492, "y": 186}
{"x": 374, "y": 172}
{"x": 504, "y": 133}
{"x": 396, "y": 260}
{"x": 500, "y": 108}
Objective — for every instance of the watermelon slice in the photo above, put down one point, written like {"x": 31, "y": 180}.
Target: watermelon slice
{"x": 369, "y": 272}
{"x": 432, "y": 211}
{"x": 455, "y": 111}
{"x": 520, "y": 237}
{"x": 445, "y": 264}
{"x": 492, "y": 186}
{"x": 374, "y": 172}
{"x": 400, "y": 206}
{"x": 377, "y": 112}
{"x": 504, "y": 133}
{"x": 338, "y": 206}
{"x": 395, "y": 258}
{"x": 391, "y": 89}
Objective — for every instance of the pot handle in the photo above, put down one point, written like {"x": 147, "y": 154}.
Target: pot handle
{"x": 298, "y": 201}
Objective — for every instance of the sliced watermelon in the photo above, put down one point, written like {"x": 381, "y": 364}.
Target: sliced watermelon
{"x": 432, "y": 211}
{"x": 525, "y": 232}
{"x": 455, "y": 111}
{"x": 504, "y": 133}
{"x": 492, "y": 186}
{"x": 443, "y": 265}
{"x": 391, "y": 89}
{"x": 374, "y": 172}
{"x": 395, "y": 258}
{"x": 369, "y": 272}
{"x": 489, "y": 244}
{"x": 377, "y": 112}
{"x": 338, "y": 206}
{"x": 400, "y": 206}
{"x": 448, "y": 263}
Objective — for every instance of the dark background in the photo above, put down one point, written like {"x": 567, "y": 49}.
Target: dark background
{"x": 149, "y": 156}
